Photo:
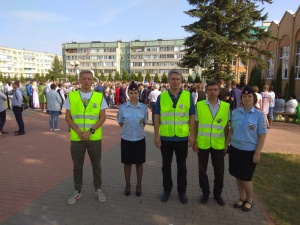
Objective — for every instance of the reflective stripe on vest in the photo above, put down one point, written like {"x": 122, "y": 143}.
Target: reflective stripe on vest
{"x": 211, "y": 130}
{"x": 174, "y": 121}
{"x": 85, "y": 117}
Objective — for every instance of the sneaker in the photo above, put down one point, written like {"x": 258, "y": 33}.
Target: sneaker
{"x": 73, "y": 198}
{"x": 99, "y": 194}
{"x": 56, "y": 129}
{"x": 51, "y": 129}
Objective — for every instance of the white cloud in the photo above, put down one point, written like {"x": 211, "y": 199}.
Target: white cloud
{"x": 36, "y": 16}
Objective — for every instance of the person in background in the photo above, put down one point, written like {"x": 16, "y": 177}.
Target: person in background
{"x": 201, "y": 93}
{"x": 266, "y": 99}
{"x": 272, "y": 105}
{"x": 29, "y": 94}
{"x": 85, "y": 114}
{"x": 2, "y": 113}
{"x": 194, "y": 93}
{"x": 17, "y": 107}
{"x": 132, "y": 117}
{"x": 174, "y": 128}
{"x": 258, "y": 96}
{"x": 54, "y": 106}
{"x": 212, "y": 126}
{"x": 279, "y": 104}
{"x": 247, "y": 137}
{"x": 7, "y": 89}
{"x": 235, "y": 96}
{"x": 42, "y": 96}
{"x": 291, "y": 105}
{"x": 35, "y": 96}
{"x": 224, "y": 92}
{"x": 143, "y": 94}
{"x": 152, "y": 100}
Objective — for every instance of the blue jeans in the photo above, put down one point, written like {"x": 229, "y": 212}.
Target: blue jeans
{"x": 53, "y": 119}
{"x": 271, "y": 116}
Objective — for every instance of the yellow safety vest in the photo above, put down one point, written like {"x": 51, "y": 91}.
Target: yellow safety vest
{"x": 85, "y": 117}
{"x": 174, "y": 121}
{"x": 211, "y": 130}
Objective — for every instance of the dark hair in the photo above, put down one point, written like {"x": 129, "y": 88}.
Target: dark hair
{"x": 212, "y": 83}
{"x": 293, "y": 96}
{"x": 271, "y": 88}
{"x": 52, "y": 86}
{"x": 280, "y": 95}
{"x": 255, "y": 88}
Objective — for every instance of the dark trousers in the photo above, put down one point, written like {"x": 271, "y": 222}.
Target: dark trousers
{"x": 18, "y": 115}
{"x": 2, "y": 119}
{"x": 217, "y": 158}
{"x": 181, "y": 150}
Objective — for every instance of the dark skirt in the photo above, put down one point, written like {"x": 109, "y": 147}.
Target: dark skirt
{"x": 241, "y": 164}
{"x": 133, "y": 152}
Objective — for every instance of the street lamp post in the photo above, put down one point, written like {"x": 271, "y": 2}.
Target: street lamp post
{"x": 76, "y": 65}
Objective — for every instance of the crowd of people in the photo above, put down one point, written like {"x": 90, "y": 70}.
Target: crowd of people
{"x": 211, "y": 118}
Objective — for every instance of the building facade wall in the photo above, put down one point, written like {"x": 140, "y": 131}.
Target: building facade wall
{"x": 286, "y": 50}
{"x": 20, "y": 62}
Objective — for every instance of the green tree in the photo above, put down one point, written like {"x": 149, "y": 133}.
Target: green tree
{"x": 96, "y": 74}
{"x": 109, "y": 77}
{"x": 148, "y": 77}
{"x": 124, "y": 76}
{"x": 132, "y": 77}
{"x": 56, "y": 70}
{"x": 117, "y": 76}
{"x": 292, "y": 82}
{"x": 156, "y": 78}
{"x": 286, "y": 91}
{"x": 243, "y": 80}
{"x": 102, "y": 77}
{"x": 190, "y": 79}
{"x": 255, "y": 78}
{"x": 164, "y": 78}
{"x": 278, "y": 81}
{"x": 22, "y": 79}
{"x": 197, "y": 79}
{"x": 140, "y": 76}
{"x": 225, "y": 30}
{"x": 1, "y": 77}
{"x": 36, "y": 77}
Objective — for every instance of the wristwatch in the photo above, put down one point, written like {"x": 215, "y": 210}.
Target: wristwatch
{"x": 92, "y": 130}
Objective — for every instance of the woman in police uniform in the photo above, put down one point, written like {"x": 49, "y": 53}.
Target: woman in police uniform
{"x": 247, "y": 136}
{"x": 132, "y": 117}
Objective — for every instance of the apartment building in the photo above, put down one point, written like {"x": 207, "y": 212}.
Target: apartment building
{"x": 18, "y": 62}
{"x": 155, "y": 57}
{"x": 285, "y": 50}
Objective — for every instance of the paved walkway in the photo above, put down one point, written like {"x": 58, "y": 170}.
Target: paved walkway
{"x": 36, "y": 180}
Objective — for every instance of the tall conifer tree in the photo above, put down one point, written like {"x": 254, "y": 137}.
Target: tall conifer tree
{"x": 224, "y": 30}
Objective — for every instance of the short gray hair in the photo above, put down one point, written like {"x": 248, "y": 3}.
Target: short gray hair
{"x": 85, "y": 71}
{"x": 174, "y": 71}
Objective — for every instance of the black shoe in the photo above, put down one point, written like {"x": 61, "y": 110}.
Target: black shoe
{"x": 183, "y": 199}
{"x": 127, "y": 190}
{"x": 204, "y": 199}
{"x": 138, "y": 191}
{"x": 165, "y": 197}
{"x": 219, "y": 200}
{"x": 19, "y": 133}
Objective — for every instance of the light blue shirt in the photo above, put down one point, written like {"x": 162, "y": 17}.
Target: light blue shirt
{"x": 246, "y": 128}
{"x": 133, "y": 119}
{"x": 213, "y": 109}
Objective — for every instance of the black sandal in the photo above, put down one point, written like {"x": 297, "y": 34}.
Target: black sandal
{"x": 245, "y": 209}
{"x": 138, "y": 191}
{"x": 236, "y": 205}
{"x": 127, "y": 190}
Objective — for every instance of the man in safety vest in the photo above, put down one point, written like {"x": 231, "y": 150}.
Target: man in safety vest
{"x": 212, "y": 116}
{"x": 85, "y": 114}
{"x": 174, "y": 128}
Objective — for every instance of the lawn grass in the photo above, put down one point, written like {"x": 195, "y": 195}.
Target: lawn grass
{"x": 276, "y": 182}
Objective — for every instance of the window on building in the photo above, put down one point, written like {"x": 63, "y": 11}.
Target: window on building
{"x": 271, "y": 62}
{"x": 284, "y": 60}
{"x": 297, "y": 60}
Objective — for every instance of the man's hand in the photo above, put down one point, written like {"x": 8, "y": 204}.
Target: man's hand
{"x": 191, "y": 140}
{"x": 195, "y": 148}
{"x": 157, "y": 142}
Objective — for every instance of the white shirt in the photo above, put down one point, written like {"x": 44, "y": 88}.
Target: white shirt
{"x": 153, "y": 95}
{"x": 272, "y": 103}
{"x": 291, "y": 106}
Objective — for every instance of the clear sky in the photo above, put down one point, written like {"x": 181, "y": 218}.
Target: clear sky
{"x": 43, "y": 25}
